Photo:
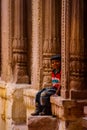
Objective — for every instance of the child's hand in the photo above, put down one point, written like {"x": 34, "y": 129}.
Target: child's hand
{"x": 55, "y": 95}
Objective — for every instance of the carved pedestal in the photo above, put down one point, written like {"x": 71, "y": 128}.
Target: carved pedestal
{"x": 69, "y": 112}
{"x": 13, "y": 110}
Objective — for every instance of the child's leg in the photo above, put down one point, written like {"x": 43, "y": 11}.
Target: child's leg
{"x": 37, "y": 98}
{"x": 38, "y": 107}
{"x": 45, "y": 100}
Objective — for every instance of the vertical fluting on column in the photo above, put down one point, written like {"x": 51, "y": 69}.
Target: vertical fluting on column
{"x": 58, "y": 24}
{"x": 50, "y": 37}
{"x": 5, "y": 47}
{"x": 77, "y": 50}
{"x": 65, "y": 35}
{"x": 35, "y": 75}
{"x": 20, "y": 71}
{"x": 51, "y": 41}
{"x": 47, "y": 41}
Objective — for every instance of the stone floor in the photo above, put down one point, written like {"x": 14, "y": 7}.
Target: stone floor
{"x": 20, "y": 127}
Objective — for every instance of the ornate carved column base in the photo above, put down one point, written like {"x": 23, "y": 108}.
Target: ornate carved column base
{"x": 20, "y": 75}
{"x": 69, "y": 112}
{"x": 21, "y": 79}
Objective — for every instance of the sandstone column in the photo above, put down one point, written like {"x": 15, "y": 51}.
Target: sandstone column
{"x": 45, "y": 39}
{"x": 20, "y": 41}
{"x": 36, "y": 55}
{"x": 14, "y": 42}
{"x": 65, "y": 35}
{"x": 5, "y": 46}
{"x": 50, "y": 36}
{"x": 78, "y": 55}
{"x": 70, "y": 111}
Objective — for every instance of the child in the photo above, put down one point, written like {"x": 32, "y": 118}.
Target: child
{"x": 42, "y": 101}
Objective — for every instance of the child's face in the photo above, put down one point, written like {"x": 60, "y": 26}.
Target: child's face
{"x": 55, "y": 64}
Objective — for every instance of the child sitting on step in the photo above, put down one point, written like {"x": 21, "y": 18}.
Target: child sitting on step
{"x": 42, "y": 100}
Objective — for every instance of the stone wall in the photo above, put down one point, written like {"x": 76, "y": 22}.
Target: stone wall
{"x": 13, "y": 109}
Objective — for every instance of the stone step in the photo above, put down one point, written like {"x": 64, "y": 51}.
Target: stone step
{"x": 42, "y": 123}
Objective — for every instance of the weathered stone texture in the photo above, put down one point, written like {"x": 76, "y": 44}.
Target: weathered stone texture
{"x": 31, "y": 32}
{"x": 84, "y": 123}
{"x": 69, "y": 110}
{"x": 42, "y": 123}
{"x": 29, "y": 100}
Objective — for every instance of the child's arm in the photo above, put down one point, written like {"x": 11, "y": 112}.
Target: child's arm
{"x": 58, "y": 89}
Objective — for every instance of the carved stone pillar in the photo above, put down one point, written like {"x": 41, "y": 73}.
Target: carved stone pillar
{"x": 51, "y": 38}
{"x": 5, "y": 46}
{"x": 78, "y": 55}
{"x": 45, "y": 39}
{"x": 36, "y": 52}
{"x": 69, "y": 111}
{"x": 20, "y": 41}
{"x": 65, "y": 35}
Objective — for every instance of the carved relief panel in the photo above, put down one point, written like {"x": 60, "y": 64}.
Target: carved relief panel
{"x": 77, "y": 47}
{"x": 51, "y": 35}
{"x": 19, "y": 41}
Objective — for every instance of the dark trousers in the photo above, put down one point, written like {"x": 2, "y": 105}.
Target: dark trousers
{"x": 43, "y": 98}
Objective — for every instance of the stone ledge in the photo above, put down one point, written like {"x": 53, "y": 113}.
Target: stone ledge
{"x": 29, "y": 97}
{"x": 29, "y": 100}
{"x": 30, "y": 92}
{"x": 66, "y": 109}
